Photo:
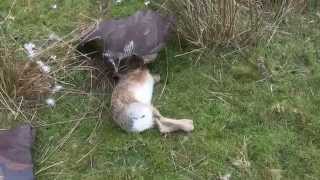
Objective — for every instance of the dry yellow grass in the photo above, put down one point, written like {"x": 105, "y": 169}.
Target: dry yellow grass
{"x": 235, "y": 23}
{"x": 31, "y": 82}
{"x": 22, "y": 79}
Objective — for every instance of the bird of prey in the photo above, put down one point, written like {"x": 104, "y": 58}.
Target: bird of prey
{"x": 142, "y": 34}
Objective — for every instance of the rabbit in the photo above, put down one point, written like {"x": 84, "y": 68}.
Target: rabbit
{"x": 131, "y": 102}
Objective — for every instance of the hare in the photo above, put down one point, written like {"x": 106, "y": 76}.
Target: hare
{"x": 131, "y": 102}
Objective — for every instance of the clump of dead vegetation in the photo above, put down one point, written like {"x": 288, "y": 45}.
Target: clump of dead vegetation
{"x": 235, "y": 23}
{"x": 31, "y": 82}
{"x": 21, "y": 82}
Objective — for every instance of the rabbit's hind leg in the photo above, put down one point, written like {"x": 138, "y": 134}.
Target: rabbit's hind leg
{"x": 167, "y": 125}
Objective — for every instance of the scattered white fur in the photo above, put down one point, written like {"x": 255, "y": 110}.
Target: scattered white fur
{"x": 225, "y": 177}
{"x": 57, "y": 88}
{"x": 143, "y": 92}
{"x": 141, "y": 116}
{"x": 30, "y": 47}
{"x": 146, "y": 3}
{"x": 51, "y": 102}
{"x": 53, "y": 57}
{"x": 44, "y": 68}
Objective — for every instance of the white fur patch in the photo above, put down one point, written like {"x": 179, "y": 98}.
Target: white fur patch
{"x": 30, "y": 47}
{"x": 141, "y": 117}
{"x": 143, "y": 92}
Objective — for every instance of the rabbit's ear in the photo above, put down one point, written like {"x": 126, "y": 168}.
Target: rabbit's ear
{"x": 135, "y": 62}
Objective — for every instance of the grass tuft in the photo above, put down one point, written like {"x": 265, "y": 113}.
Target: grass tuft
{"x": 212, "y": 23}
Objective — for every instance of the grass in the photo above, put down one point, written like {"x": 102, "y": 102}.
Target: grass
{"x": 212, "y": 23}
{"x": 247, "y": 125}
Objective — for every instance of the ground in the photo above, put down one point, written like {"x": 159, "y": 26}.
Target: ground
{"x": 250, "y": 122}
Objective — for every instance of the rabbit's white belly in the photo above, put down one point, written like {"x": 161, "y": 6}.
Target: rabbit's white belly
{"x": 143, "y": 91}
{"x": 140, "y": 117}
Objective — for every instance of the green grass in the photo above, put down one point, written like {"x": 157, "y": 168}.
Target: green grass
{"x": 273, "y": 124}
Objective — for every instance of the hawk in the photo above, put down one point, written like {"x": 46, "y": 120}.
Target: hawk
{"x": 143, "y": 34}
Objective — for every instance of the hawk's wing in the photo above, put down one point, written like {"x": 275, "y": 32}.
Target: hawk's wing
{"x": 142, "y": 34}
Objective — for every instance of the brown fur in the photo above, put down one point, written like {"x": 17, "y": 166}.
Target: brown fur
{"x": 122, "y": 97}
